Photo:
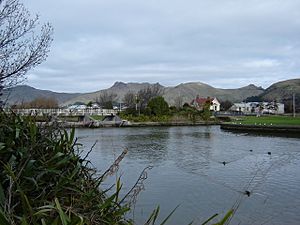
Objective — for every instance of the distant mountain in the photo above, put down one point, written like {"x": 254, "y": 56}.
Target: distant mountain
{"x": 118, "y": 88}
{"x": 281, "y": 91}
{"x": 25, "y": 93}
{"x": 186, "y": 92}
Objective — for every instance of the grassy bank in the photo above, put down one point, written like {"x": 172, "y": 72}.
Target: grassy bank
{"x": 270, "y": 120}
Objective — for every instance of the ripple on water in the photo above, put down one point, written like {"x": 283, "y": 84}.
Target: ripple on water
{"x": 189, "y": 170}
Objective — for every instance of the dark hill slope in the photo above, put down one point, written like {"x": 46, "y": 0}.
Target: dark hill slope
{"x": 188, "y": 91}
{"x": 283, "y": 92}
{"x": 25, "y": 93}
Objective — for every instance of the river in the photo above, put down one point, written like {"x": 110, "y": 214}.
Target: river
{"x": 188, "y": 170}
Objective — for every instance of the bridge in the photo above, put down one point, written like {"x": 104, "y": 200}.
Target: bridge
{"x": 64, "y": 112}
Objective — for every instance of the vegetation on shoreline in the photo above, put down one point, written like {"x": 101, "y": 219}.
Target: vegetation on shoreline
{"x": 157, "y": 111}
{"x": 45, "y": 181}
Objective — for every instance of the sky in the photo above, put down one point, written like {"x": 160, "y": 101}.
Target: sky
{"x": 224, "y": 43}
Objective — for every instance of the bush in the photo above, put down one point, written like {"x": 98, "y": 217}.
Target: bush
{"x": 158, "y": 106}
{"x": 44, "y": 181}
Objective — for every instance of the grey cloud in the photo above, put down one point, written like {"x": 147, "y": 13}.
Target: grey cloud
{"x": 224, "y": 43}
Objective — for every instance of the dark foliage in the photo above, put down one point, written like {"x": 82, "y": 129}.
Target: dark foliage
{"x": 158, "y": 106}
{"x": 225, "y": 105}
{"x": 253, "y": 99}
{"x": 45, "y": 181}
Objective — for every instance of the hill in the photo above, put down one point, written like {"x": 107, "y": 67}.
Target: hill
{"x": 25, "y": 93}
{"x": 188, "y": 91}
{"x": 185, "y": 91}
{"x": 283, "y": 92}
{"x": 118, "y": 88}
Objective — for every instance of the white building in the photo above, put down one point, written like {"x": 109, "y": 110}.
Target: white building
{"x": 215, "y": 105}
{"x": 258, "y": 108}
{"x": 198, "y": 103}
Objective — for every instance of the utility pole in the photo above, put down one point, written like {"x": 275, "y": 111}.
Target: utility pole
{"x": 294, "y": 106}
{"x": 136, "y": 101}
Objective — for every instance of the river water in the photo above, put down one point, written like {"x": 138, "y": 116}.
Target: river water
{"x": 188, "y": 170}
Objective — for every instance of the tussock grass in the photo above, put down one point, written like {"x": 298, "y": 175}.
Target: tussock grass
{"x": 44, "y": 180}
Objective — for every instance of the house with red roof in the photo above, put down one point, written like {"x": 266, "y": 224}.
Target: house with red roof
{"x": 199, "y": 103}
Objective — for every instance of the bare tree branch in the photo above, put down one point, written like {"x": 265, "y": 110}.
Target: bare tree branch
{"x": 146, "y": 94}
{"x": 22, "y": 45}
{"x": 106, "y": 99}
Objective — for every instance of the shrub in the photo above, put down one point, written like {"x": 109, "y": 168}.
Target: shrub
{"x": 158, "y": 106}
{"x": 44, "y": 180}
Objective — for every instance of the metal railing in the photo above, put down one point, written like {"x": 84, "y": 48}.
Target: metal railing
{"x": 64, "y": 112}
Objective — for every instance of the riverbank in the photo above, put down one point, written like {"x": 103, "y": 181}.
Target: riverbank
{"x": 173, "y": 123}
{"x": 283, "y": 129}
{"x": 131, "y": 124}
{"x": 270, "y": 120}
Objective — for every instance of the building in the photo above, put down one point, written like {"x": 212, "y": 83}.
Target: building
{"x": 258, "y": 108}
{"x": 199, "y": 103}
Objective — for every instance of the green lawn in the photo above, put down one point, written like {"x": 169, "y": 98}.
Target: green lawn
{"x": 97, "y": 117}
{"x": 270, "y": 120}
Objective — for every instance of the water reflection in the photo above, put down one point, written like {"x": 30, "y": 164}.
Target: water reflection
{"x": 189, "y": 170}
{"x": 150, "y": 145}
{"x": 192, "y": 149}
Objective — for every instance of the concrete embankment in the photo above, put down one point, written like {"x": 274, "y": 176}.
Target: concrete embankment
{"x": 147, "y": 124}
{"x": 282, "y": 129}
{"x": 132, "y": 124}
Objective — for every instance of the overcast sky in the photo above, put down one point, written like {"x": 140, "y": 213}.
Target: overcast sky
{"x": 224, "y": 43}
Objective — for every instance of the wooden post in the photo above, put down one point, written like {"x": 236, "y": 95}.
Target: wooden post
{"x": 294, "y": 106}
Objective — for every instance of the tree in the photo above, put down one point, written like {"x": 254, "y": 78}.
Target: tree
{"x": 178, "y": 101}
{"x": 130, "y": 100}
{"x": 106, "y": 99}
{"x": 206, "y": 113}
{"x": 158, "y": 106}
{"x": 226, "y": 105}
{"x": 253, "y": 99}
{"x": 146, "y": 94}
{"x": 89, "y": 104}
{"x": 21, "y": 48}
{"x": 39, "y": 103}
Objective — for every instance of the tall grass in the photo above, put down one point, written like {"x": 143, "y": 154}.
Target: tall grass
{"x": 45, "y": 181}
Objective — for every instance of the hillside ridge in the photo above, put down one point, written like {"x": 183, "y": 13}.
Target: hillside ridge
{"x": 278, "y": 91}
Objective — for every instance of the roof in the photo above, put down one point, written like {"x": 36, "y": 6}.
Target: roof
{"x": 202, "y": 101}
